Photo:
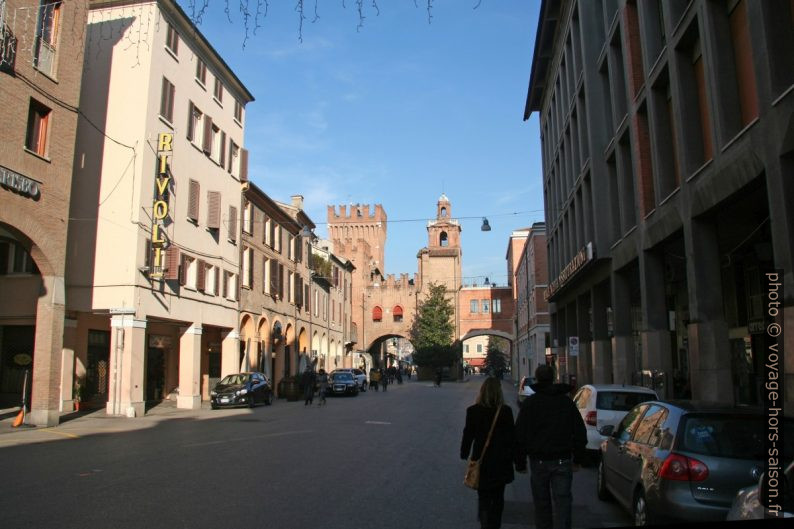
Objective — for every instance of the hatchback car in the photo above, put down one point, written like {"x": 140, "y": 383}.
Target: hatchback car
{"x": 681, "y": 460}
{"x": 359, "y": 376}
{"x": 242, "y": 389}
{"x": 342, "y": 383}
{"x": 606, "y": 404}
{"x": 524, "y": 390}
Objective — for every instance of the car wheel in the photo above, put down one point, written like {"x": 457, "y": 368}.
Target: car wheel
{"x": 601, "y": 484}
{"x": 269, "y": 399}
{"x": 640, "y": 509}
{"x": 251, "y": 400}
{"x": 213, "y": 406}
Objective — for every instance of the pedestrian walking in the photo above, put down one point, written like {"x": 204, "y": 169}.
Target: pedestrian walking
{"x": 496, "y": 463}
{"x": 439, "y": 374}
{"x": 308, "y": 379}
{"x": 384, "y": 378}
{"x": 550, "y": 430}
{"x": 322, "y": 386}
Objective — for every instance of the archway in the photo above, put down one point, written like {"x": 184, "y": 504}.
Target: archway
{"x": 476, "y": 344}
{"x": 248, "y": 343}
{"x": 278, "y": 348}
{"x": 290, "y": 353}
{"x": 263, "y": 351}
{"x": 31, "y": 344}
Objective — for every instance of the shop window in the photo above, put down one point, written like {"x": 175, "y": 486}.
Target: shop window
{"x": 14, "y": 259}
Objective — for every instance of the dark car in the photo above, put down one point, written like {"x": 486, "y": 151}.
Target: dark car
{"x": 680, "y": 460}
{"x": 342, "y": 383}
{"x": 242, "y": 389}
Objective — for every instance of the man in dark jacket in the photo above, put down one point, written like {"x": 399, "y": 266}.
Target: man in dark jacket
{"x": 549, "y": 429}
{"x": 308, "y": 379}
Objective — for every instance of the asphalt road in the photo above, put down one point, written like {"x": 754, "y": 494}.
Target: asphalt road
{"x": 379, "y": 460}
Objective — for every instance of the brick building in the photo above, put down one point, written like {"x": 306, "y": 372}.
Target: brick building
{"x": 531, "y": 308}
{"x": 41, "y": 54}
{"x": 485, "y": 311}
{"x": 668, "y": 148}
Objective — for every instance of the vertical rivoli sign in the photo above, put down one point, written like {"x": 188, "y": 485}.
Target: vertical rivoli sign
{"x": 160, "y": 205}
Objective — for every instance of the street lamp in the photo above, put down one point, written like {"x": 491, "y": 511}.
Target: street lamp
{"x": 485, "y": 226}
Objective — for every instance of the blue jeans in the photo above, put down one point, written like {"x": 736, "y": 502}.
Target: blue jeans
{"x": 551, "y": 483}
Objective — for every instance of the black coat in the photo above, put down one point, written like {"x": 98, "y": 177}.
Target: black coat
{"x": 496, "y": 467}
{"x": 549, "y": 426}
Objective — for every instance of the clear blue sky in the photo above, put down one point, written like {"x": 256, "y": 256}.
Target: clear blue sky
{"x": 394, "y": 113}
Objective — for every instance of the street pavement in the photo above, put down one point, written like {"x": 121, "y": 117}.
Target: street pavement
{"x": 379, "y": 460}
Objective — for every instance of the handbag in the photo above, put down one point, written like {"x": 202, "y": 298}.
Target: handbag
{"x": 472, "y": 477}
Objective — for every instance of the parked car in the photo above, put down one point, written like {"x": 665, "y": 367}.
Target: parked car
{"x": 242, "y": 389}
{"x": 342, "y": 383}
{"x": 359, "y": 376}
{"x": 679, "y": 461}
{"x": 524, "y": 390}
{"x": 607, "y": 404}
{"x": 747, "y": 504}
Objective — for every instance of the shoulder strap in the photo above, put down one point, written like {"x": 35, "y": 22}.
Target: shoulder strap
{"x": 493, "y": 424}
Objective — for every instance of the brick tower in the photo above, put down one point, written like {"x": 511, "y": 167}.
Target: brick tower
{"x": 440, "y": 261}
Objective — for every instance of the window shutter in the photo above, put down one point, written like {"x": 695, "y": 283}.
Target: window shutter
{"x": 201, "y": 275}
{"x": 264, "y": 229}
{"x": 182, "y": 269}
{"x": 147, "y": 262}
{"x": 299, "y": 291}
{"x": 223, "y": 149}
{"x": 190, "y": 131}
{"x": 172, "y": 263}
{"x": 272, "y": 234}
{"x": 232, "y": 223}
{"x": 213, "y": 210}
{"x": 217, "y": 279}
{"x": 193, "y": 200}
{"x": 243, "y": 165}
{"x": 307, "y": 297}
{"x": 264, "y": 273}
{"x": 273, "y": 277}
{"x": 225, "y": 292}
{"x": 206, "y": 144}
{"x": 250, "y": 277}
{"x": 280, "y": 281}
{"x": 298, "y": 249}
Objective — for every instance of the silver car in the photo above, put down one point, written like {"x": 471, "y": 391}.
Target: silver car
{"x": 681, "y": 461}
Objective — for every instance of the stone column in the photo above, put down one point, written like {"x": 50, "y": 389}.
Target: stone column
{"x": 570, "y": 330}
{"x": 127, "y": 360}
{"x": 47, "y": 354}
{"x": 601, "y": 346}
{"x": 230, "y": 353}
{"x": 585, "y": 362}
{"x": 709, "y": 353}
{"x": 190, "y": 368}
{"x": 622, "y": 342}
{"x": 656, "y": 341}
{"x": 67, "y": 365}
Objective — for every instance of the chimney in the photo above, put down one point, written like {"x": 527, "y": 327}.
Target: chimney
{"x": 297, "y": 201}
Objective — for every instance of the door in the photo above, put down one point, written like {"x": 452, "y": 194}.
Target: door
{"x": 616, "y": 462}
{"x": 16, "y": 358}
{"x": 98, "y": 362}
{"x": 155, "y": 374}
{"x": 214, "y": 369}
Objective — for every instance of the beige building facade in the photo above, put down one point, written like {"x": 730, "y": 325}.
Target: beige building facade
{"x": 153, "y": 275}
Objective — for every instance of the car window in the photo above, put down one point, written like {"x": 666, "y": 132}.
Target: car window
{"x": 621, "y": 400}
{"x": 234, "y": 379}
{"x": 647, "y": 432}
{"x": 629, "y": 422}
{"x": 721, "y": 435}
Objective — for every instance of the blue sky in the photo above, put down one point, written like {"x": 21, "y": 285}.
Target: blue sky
{"x": 395, "y": 113}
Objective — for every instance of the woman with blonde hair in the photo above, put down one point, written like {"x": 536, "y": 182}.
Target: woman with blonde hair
{"x": 496, "y": 464}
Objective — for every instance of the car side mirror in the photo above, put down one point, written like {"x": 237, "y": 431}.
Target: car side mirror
{"x": 606, "y": 430}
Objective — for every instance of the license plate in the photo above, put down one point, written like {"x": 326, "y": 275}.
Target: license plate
{"x": 225, "y": 400}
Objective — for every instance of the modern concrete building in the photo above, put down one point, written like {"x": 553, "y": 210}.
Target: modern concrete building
{"x": 667, "y": 132}
{"x": 40, "y": 73}
{"x": 531, "y": 313}
{"x": 153, "y": 264}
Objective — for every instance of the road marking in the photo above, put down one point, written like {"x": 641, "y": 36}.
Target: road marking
{"x": 376, "y": 422}
{"x": 70, "y": 435}
{"x": 264, "y": 436}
